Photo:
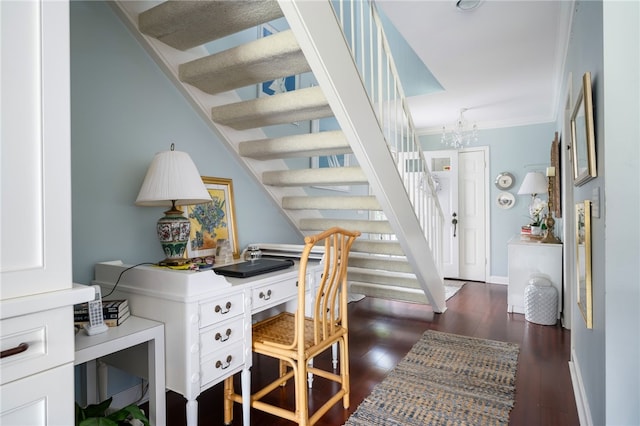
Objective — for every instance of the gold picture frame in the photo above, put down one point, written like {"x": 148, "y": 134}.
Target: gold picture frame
{"x": 584, "y": 294}
{"x": 583, "y": 143}
{"x": 213, "y": 221}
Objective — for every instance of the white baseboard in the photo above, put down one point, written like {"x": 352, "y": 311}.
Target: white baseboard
{"x": 498, "y": 280}
{"x": 582, "y": 404}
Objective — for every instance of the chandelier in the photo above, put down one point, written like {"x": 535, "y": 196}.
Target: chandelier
{"x": 461, "y": 135}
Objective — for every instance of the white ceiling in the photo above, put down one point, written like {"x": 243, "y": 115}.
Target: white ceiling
{"x": 503, "y": 61}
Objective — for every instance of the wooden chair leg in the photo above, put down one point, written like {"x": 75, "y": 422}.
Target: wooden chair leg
{"x": 302, "y": 398}
{"x": 344, "y": 370}
{"x": 283, "y": 371}
{"x": 228, "y": 401}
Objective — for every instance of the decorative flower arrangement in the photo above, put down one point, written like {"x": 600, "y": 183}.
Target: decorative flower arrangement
{"x": 537, "y": 211}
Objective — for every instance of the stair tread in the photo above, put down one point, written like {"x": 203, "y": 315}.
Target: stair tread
{"x": 395, "y": 279}
{"x": 308, "y": 177}
{"x": 186, "y": 24}
{"x": 350, "y": 202}
{"x": 388, "y": 292}
{"x": 364, "y": 226}
{"x": 289, "y": 107}
{"x": 331, "y": 142}
{"x": 379, "y": 263}
{"x": 384, "y": 247}
{"x": 265, "y": 59}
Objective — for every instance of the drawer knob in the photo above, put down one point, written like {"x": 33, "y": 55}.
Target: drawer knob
{"x": 227, "y": 308}
{"x": 226, "y": 365}
{"x": 225, "y": 337}
{"x": 264, "y": 296}
{"x": 14, "y": 351}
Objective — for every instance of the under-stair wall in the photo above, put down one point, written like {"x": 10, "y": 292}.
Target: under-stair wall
{"x": 174, "y": 34}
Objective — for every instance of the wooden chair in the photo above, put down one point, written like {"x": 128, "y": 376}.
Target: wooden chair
{"x": 296, "y": 339}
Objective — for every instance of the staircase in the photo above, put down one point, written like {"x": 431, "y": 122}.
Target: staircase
{"x": 398, "y": 255}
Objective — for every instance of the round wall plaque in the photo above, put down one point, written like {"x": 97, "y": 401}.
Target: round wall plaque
{"x": 504, "y": 180}
{"x": 505, "y": 200}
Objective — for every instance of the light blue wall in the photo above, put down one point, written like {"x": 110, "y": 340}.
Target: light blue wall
{"x": 517, "y": 150}
{"x": 605, "y": 41}
{"x": 585, "y": 54}
{"x": 621, "y": 27}
{"x": 123, "y": 111}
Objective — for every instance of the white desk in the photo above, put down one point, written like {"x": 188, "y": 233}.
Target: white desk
{"x": 134, "y": 331}
{"x": 207, "y": 319}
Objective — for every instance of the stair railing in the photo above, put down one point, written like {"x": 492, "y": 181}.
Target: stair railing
{"x": 371, "y": 53}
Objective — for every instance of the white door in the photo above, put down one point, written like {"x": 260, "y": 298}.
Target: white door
{"x": 461, "y": 180}
{"x": 472, "y": 215}
{"x": 444, "y": 169}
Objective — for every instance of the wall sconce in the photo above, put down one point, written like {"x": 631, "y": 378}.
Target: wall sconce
{"x": 173, "y": 180}
{"x": 549, "y": 236}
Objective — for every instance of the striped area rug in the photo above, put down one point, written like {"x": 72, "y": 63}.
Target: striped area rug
{"x": 445, "y": 379}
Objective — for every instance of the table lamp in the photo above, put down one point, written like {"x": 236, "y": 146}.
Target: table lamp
{"x": 173, "y": 180}
{"x": 534, "y": 183}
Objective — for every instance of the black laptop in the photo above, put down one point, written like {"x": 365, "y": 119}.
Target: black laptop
{"x": 252, "y": 268}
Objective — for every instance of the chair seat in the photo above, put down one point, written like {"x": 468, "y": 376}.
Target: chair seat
{"x": 280, "y": 330}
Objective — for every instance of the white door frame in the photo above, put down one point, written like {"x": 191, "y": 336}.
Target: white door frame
{"x": 487, "y": 204}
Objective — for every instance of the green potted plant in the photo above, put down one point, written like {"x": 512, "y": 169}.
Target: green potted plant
{"x": 96, "y": 415}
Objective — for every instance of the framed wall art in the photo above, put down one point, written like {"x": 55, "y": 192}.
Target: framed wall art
{"x": 584, "y": 295}
{"x": 555, "y": 162}
{"x": 583, "y": 141}
{"x": 214, "y": 221}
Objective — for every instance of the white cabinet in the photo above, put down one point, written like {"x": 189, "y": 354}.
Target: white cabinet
{"x": 37, "y": 293}
{"x": 39, "y": 399}
{"x": 532, "y": 257}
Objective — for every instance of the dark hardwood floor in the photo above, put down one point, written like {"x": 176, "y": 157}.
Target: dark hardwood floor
{"x": 382, "y": 332}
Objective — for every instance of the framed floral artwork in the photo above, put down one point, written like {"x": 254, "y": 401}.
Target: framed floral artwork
{"x": 214, "y": 221}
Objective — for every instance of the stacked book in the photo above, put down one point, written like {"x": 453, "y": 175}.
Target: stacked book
{"x": 114, "y": 312}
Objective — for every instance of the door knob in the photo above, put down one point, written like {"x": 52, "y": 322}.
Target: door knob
{"x": 454, "y": 222}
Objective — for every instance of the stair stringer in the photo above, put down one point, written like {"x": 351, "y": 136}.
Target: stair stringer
{"x": 322, "y": 41}
{"x": 169, "y": 59}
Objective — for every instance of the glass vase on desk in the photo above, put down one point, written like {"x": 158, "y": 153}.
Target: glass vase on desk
{"x": 252, "y": 253}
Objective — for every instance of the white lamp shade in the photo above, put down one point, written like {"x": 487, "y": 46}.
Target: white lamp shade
{"x": 172, "y": 176}
{"x": 533, "y": 183}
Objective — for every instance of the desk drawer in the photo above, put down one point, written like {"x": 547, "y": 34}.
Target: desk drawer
{"x": 216, "y": 367}
{"x": 220, "y": 336}
{"x": 221, "y": 309}
{"x": 48, "y": 337}
{"x": 271, "y": 294}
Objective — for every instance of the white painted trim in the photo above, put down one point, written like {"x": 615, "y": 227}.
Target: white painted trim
{"x": 494, "y": 279}
{"x": 582, "y": 404}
